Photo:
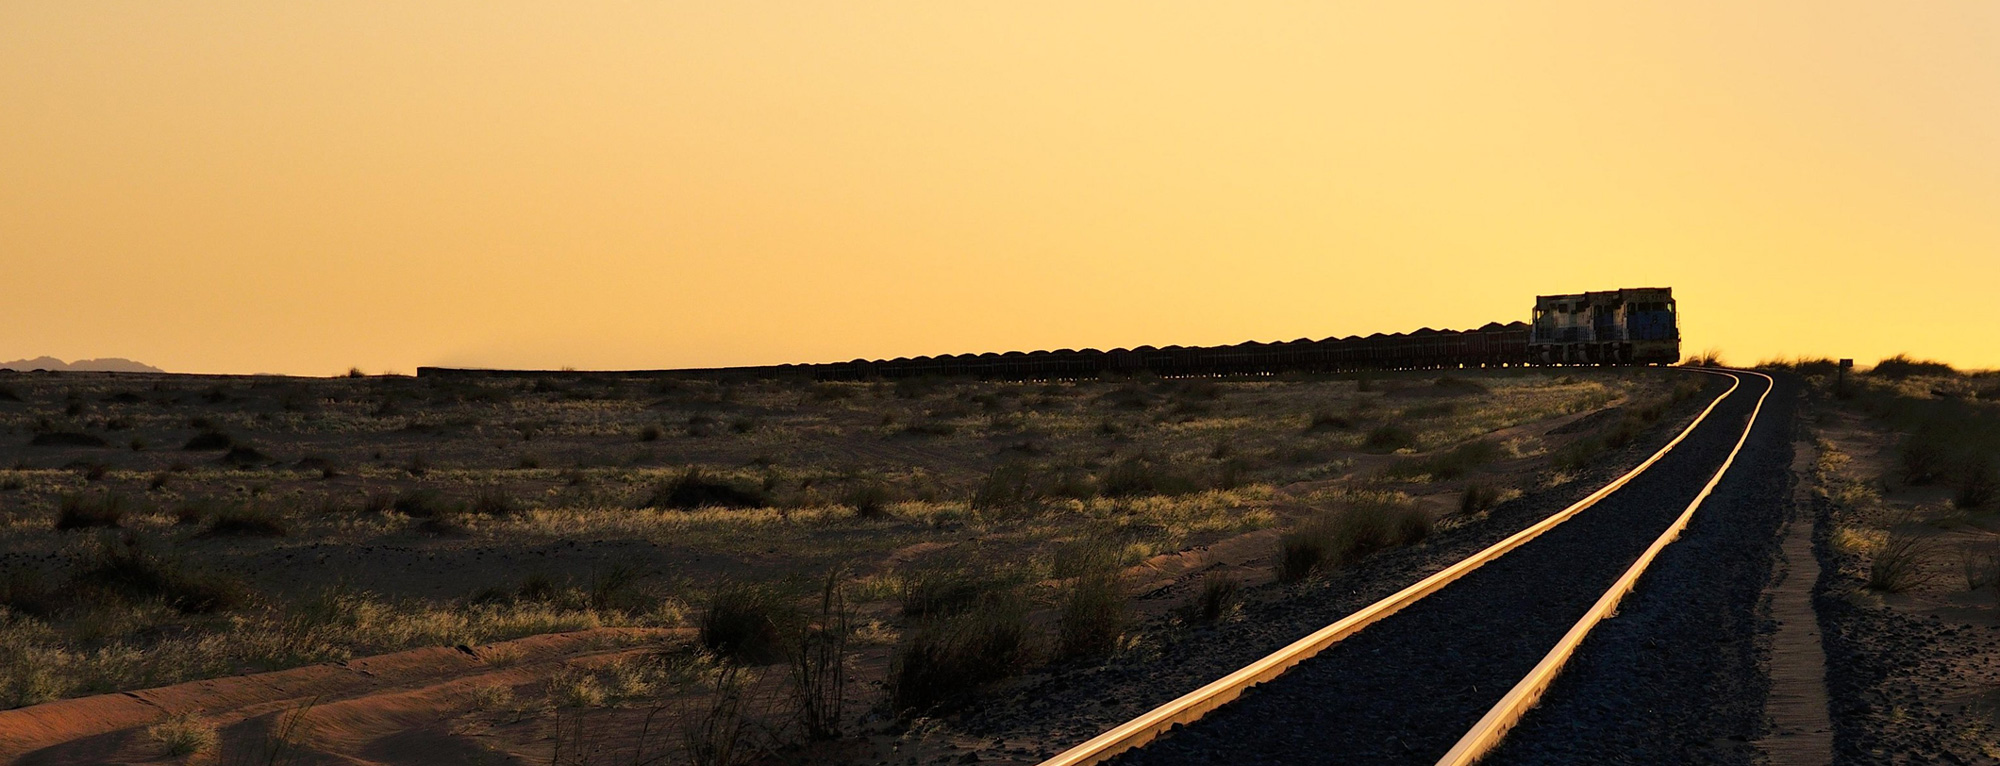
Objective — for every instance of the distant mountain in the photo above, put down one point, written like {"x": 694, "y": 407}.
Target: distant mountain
{"x": 107, "y": 364}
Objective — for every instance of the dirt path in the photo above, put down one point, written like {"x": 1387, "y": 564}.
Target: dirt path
{"x": 393, "y": 708}
{"x": 1801, "y": 731}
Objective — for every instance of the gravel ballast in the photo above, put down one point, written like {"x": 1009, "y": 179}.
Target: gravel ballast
{"x": 1675, "y": 677}
{"x": 1037, "y": 717}
{"x": 1404, "y": 690}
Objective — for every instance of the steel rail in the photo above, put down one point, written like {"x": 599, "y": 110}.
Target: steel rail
{"x": 1492, "y": 727}
{"x": 1192, "y": 706}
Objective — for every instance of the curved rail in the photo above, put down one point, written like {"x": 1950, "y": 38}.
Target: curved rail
{"x": 1491, "y": 728}
{"x": 1192, "y": 706}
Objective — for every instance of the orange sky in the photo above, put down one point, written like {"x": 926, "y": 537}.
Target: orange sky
{"x": 301, "y": 187}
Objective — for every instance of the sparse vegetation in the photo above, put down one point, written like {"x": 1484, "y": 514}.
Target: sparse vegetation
{"x": 1899, "y": 565}
{"x": 819, "y": 662}
{"x": 67, "y": 439}
{"x": 695, "y": 489}
{"x": 247, "y": 522}
{"x": 1478, "y": 497}
{"x": 1091, "y": 611}
{"x": 1450, "y": 464}
{"x": 1361, "y": 527}
{"x": 345, "y": 502}
{"x": 90, "y": 511}
{"x": 1901, "y": 367}
{"x": 945, "y": 660}
{"x": 745, "y": 623}
{"x": 1390, "y": 437}
{"x": 183, "y": 735}
{"x": 1219, "y": 597}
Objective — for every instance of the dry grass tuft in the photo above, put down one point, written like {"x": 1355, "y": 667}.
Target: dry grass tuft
{"x": 1220, "y": 596}
{"x": 745, "y": 623}
{"x": 944, "y": 661}
{"x": 1363, "y": 527}
{"x": 183, "y": 735}
{"x": 90, "y": 511}
{"x": 1899, "y": 565}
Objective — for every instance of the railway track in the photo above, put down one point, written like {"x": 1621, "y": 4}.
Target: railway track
{"x": 1446, "y": 666}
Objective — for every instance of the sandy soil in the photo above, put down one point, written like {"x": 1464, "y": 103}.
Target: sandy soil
{"x": 1912, "y": 675}
{"x": 496, "y": 698}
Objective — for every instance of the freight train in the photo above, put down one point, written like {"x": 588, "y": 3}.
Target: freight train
{"x": 1618, "y": 327}
{"x": 1638, "y": 325}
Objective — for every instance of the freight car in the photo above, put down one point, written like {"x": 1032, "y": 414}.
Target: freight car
{"x": 1494, "y": 345}
{"x": 1631, "y": 326}
{"x": 1637, "y": 328}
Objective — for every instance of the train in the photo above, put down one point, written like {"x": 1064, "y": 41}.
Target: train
{"x": 1613, "y": 327}
{"x": 1634, "y": 325}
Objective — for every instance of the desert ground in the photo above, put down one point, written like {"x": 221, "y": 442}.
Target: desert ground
{"x": 1902, "y": 472}
{"x": 573, "y": 568}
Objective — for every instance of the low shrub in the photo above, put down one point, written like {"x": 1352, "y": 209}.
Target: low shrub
{"x": 1901, "y": 366}
{"x": 1980, "y": 562}
{"x": 247, "y": 522}
{"x": 1219, "y": 597}
{"x": 1926, "y": 455}
{"x": 1434, "y": 410}
{"x": 1363, "y": 527}
{"x": 183, "y": 735}
{"x": 1323, "y": 421}
{"x": 719, "y": 733}
{"x": 1127, "y": 397}
{"x": 493, "y": 501}
{"x": 870, "y": 500}
{"x": 744, "y": 624}
{"x": 66, "y": 439}
{"x": 1389, "y": 438}
{"x": 819, "y": 663}
{"x": 695, "y": 489}
{"x": 1450, "y": 464}
{"x": 22, "y": 590}
{"x": 209, "y": 441}
{"x": 244, "y": 456}
{"x": 620, "y": 588}
{"x": 1478, "y": 497}
{"x": 448, "y": 524}
{"x": 1145, "y": 474}
{"x": 1979, "y": 485}
{"x": 1899, "y": 565}
{"x": 930, "y": 428}
{"x": 1091, "y": 614}
{"x": 1014, "y": 484}
{"x": 945, "y": 660}
{"x": 125, "y": 572}
{"x": 937, "y": 591}
{"x": 90, "y": 511}
{"x": 421, "y": 503}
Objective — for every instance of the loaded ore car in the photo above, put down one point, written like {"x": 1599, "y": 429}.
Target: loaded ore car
{"x": 1634, "y": 326}
{"x": 1637, "y": 325}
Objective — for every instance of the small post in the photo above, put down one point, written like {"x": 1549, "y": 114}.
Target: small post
{"x": 1840, "y": 384}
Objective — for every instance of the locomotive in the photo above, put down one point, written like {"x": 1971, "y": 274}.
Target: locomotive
{"x": 1633, "y": 326}
{"x": 1636, "y": 325}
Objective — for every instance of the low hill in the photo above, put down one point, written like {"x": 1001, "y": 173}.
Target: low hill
{"x": 107, "y": 364}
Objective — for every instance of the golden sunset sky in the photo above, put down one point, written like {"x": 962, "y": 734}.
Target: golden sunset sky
{"x": 300, "y": 187}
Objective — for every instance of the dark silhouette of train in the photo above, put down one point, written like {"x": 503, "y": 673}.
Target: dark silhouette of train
{"x": 1634, "y": 326}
